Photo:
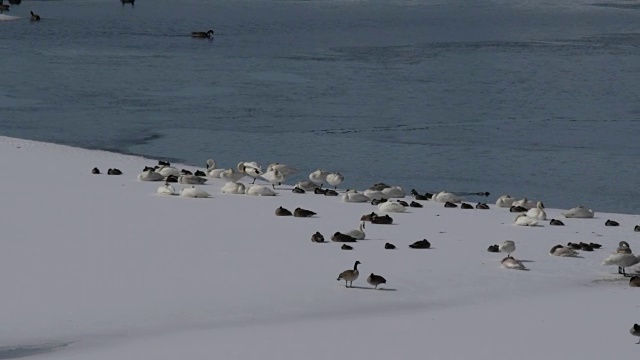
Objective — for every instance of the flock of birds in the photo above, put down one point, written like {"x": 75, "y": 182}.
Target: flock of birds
{"x": 4, "y": 7}
{"x": 388, "y": 199}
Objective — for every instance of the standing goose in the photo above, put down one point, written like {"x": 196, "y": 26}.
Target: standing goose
{"x": 202, "y": 34}
{"x": 349, "y": 276}
{"x": 578, "y": 212}
{"x": 508, "y": 246}
{"x": 560, "y": 250}
{"x": 357, "y": 234}
{"x": 523, "y": 220}
{"x": 538, "y": 212}
{"x": 635, "y": 331}
{"x": 375, "y": 280}
{"x": 335, "y": 179}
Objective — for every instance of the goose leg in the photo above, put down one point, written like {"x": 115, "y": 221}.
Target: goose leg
{"x": 274, "y": 186}
{"x": 254, "y": 181}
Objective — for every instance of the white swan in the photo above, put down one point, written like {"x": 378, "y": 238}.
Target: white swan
{"x": 560, "y": 250}
{"x": 286, "y": 170}
{"x": 357, "y": 234}
{"x": 274, "y": 177}
{"x": 511, "y": 263}
{"x": 251, "y": 169}
{"x": 525, "y": 203}
{"x": 191, "y": 180}
{"x": 150, "y": 175}
{"x": 444, "y": 197}
{"x": 394, "y": 192}
{"x": 306, "y": 185}
{"x": 354, "y": 196}
{"x": 391, "y": 206}
{"x": 259, "y": 190}
{"x": 505, "y": 201}
{"x": 523, "y": 220}
{"x": 166, "y": 189}
{"x": 538, "y": 212}
{"x": 193, "y": 192}
{"x": 212, "y": 171}
{"x": 508, "y": 246}
{"x": 233, "y": 188}
{"x": 578, "y": 212}
{"x": 167, "y": 171}
{"x": 335, "y": 179}
{"x": 231, "y": 175}
{"x": 375, "y": 194}
{"x": 622, "y": 261}
{"x": 318, "y": 177}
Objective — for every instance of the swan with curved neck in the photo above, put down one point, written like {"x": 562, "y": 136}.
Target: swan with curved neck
{"x": 250, "y": 169}
{"x": 538, "y": 212}
{"x": 359, "y": 233}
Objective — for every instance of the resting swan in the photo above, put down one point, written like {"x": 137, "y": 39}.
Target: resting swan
{"x": 233, "y": 188}
{"x": 538, "y": 212}
{"x": 375, "y": 194}
{"x": 211, "y": 171}
{"x": 390, "y": 206}
{"x": 505, "y": 201}
{"x": 525, "y": 203}
{"x": 394, "y": 192}
{"x": 357, "y": 234}
{"x": 444, "y": 197}
{"x": 354, "y": 196}
{"x": 150, "y": 175}
{"x": 578, "y": 212}
{"x": 194, "y": 192}
{"x": 560, "y": 250}
{"x": 306, "y": 185}
{"x": 523, "y": 220}
{"x": 318, "y": 177}
{"x": 168, "y": 170}
{"x": 166, "y": 189}
{"x": 259, "y": 190}
{"x": 335, "y": 179}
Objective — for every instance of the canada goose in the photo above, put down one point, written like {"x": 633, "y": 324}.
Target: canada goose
{"x": 340, "y": 237}
{"x": 636, "y": 228}
{"x": 493, "y": 248}
{"x": 35, "y": 17}
{"x": 511, "y": 263}
{"x": 375, "y": 280}
{"x": 505, "y": 201}
{"x": 635, "y": 331}
{"x": 282, "y": 212}
{"x": 297, "y": 190}
{"x": 482, "y": 206}
{"x": 299, "y": 212}
{"x": 191, "y": 180}
{"x": 346, "y": 247}
{"x": 318, "y": 177}
{"x": 202, "y": 34}
{"x": 382, "y": 220}
{"x": 634, "y": 281}
{"x": 574, "y": 246}
{"x": 421, "y": 244}
{"x": 335, "y": 179}
{"x": 449, "y": 204}
{"x": 330, "y": 192}
{"x": 556, "y": 222}
{"x": 560, "y": 250}
{"x": 466, "y": 206}
{"x": 199, "y": 173}
{"x": 95, "y": 171}
{"x": 595, "y": 245}
{"x": 585, "y": 247}
{"x": 578, "y": 212}
{"x": 508, "y": 246}
{"x": 524, "y": 220}
{"x": 415, "y": 204}
{"x": 194, "y": 192}
{"x": 166, "y": 189}
{"x": 185, "y": 172}
{"x": 538, "y": 212}
{"x": 171, "y": 179}
{"x": 150, "y": 175}
{"x": 517, "y": 209}
{"x": 349, "y": 276}
{"x": 317, "y": 237}
{"x": 389, "y": 246}
{"x": 357, "y": 234}
{"x": 611, "y": 223}
{"x": 114, "y": 171}
{"x": 368, "y": 217}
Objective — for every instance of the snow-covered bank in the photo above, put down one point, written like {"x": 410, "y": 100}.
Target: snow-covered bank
{"x": 121, "y": 272}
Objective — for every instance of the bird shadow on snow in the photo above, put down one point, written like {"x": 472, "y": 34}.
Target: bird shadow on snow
{"x": 368, "y": 288}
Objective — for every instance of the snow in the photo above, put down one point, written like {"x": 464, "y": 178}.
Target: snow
{"x": 116, "y": 271}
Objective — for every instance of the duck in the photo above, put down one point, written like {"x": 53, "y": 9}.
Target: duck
{"x": 354, "y": 196}
{"x": 35, "y": 17}
{"x": 306, "y": 185}
{"x": 449, "y": 204}
{"x": 524, "y": 220}
{"x": 421, "y": 244}
{"x": 402, "y": 202}
{"x": 319, "y": 191}
{"x": 368, "y": 217}
{"x": 191, "y": 180}
{"x": 231, "y": 175}
{"x": 578, "y": 212}
{"x": 538, "y": 212}
{"x": 636, "y": 228}
{"x": 233, "y": 188}
{"x": 585, "y": 247}
{"x": 297, "y": 190}
{"x": 635, "y": 331}
{"x": 340, "y": 237}
{"x": 595, "y": 245}
{"x": 150, "y": 175}
{"x": 346, "y": 247}
{"x": 185, "y": 172}
{"x": 493, "y": 248}
{"x": 286, "y": 170}
{"x": 517, "y": 209}
{"x": 622, "y": 261}
{"x": 212, "y": 171}
{"x": 393, "y": 192}
{"x": 274, "y": 177}
{"x": 418, "y": 196}
{"x": 317, "y": 237}
{"x": 444, "y": 197}
{"x": 574, "y": 246}
{"x": 166, "y": 189}
{"x": 389, "y": 246}
{"x": 375, "y": 280}
{"x": 505, "y": 201}
{"x": 251, "y": 169}
{"x": 382, "y": 220}
{"x": 511, "y": 263}
{"x": 466, "y": 206}
{"x": 634, "y": 281}
{"x": 357, "y": 234}
{"x": 193, "y": 192}
{"x": 259, "y": 190}
{"x": 95, "y": 171}
{"x": 202, "y": 34}
{"x": 171, "y": 179}
{"x": 114, "y": 171}
{"x": 508, "y": 246}
{"x": 200, "y": 173}
{"x": 299, "y": 212}
{"x": 556, "y": 222}
{"x": 611, "y": 223}
{"x": 282, "y": 212}
{"x": 335, "y": 179}
{"x": 318, "y": 177}
{"x": 349, "y": 276}
{"x": 414, "y": 204}
{"x": 560, "y": 250}
{"x": 391, "y": 207}
{"x": 482, "y": 206}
